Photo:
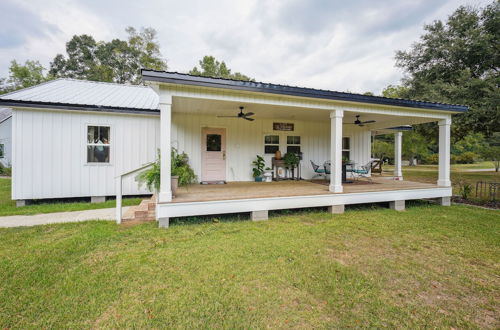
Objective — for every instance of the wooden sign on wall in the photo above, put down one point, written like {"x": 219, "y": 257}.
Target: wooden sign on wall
{"x": 283, "y": 127}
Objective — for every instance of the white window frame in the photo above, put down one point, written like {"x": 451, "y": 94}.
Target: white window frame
{"x": 87, "y": 144}
{"x": 294, "y": 144}
{"x": 271, "y": 144}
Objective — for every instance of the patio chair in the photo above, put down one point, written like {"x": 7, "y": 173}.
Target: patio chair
{"x": 363, "y": 171}
{"x": 318, "y": 171}
{"x": 328, "y": 167}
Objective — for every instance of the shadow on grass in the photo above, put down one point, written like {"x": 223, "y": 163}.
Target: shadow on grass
{"x": 245, "y": 216}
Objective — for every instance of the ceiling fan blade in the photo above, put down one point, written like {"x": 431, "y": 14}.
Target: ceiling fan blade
{"x": 248, "y": 114}
{"x": 227, "y": 116}
{"x": 250, "y": 119}
{"x": 369, "y": 121}
{"x": 361, "y": 125}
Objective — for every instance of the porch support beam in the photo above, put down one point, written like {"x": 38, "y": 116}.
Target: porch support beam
{"x": 336, "y": 209}
{"x": 444, "y": 153}
{"x": 398, "y": 143}
{"x": 336, "y": 150}
{"x": 165, "y": 194}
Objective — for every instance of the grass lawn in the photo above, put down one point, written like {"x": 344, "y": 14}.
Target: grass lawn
{"x": 8, "y": 206}
{"x": 430, "y": 266}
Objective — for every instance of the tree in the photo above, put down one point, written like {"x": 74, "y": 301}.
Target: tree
{"x": 210, "y": 67}
{"x": 22, "y": 76}
{"x": 114, "y": 61}
{"x": 458, "y": 62}
{"x": 382, "y": 149}
{"x": 414, "y": 146}
{"x": 491, "y": 151}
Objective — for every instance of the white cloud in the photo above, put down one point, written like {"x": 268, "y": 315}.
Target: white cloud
{"x": 325, "y": 44}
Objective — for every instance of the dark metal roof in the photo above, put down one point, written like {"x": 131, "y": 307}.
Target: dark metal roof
{"x": 253, "y": 86}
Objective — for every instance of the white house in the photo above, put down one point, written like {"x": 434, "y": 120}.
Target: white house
{"x": 5, "y": 136}
{"x": 72, "y": 138}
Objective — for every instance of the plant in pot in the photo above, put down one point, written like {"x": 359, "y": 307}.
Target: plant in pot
{"x": 291, "y": 160}
{"x": 258, "y": 168}
{"x": 182, "y": 173}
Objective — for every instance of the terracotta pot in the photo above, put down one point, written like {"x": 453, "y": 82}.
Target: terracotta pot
{"x": 277, "y": 155}
{"x": 174, "y": 182}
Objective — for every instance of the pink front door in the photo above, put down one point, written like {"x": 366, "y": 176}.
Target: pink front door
{"x": 213, "y": 154}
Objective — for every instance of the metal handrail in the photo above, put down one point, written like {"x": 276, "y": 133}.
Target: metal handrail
{"x": 119, "y": 183}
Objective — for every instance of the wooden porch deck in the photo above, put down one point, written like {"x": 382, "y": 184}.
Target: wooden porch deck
{"x": 249, "y": 190}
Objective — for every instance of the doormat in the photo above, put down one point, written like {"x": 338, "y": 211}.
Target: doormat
{"x": 213, "y": 182}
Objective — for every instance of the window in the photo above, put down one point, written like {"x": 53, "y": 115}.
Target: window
{"x": 214, "y": 142}
{"x": 346, "y": 148}
{"x": 98, "y": 144}
{"x": 271, "y": 144}
{"x": 293, "y": 144}
{"x": 1, "y": 150}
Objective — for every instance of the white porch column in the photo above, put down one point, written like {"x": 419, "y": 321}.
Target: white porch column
{"x": 398, "y": 144}
{"x": 336, "y": 150}
{"x": 444, "y": 153}
{"x": 165, "y": 194}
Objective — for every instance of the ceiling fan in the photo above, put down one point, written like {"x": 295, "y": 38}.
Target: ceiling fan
{"x": 362, "y": 123}
{"x": 241, "y": 115}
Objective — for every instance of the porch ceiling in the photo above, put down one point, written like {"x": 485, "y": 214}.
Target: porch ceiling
{"x": 229, "y": 108}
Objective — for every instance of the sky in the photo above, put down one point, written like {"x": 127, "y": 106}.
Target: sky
{"x": 330, "y": 44}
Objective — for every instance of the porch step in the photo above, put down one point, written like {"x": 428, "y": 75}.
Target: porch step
{"x": 145, "y": 211}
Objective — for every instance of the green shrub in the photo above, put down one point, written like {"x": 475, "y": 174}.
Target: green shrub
{"x": 6, "y": 171}
{"x": 431, "y": 159}
{"x": 180, "y": 167}
{"x": 467, "y": 157}
{"x": 258, "y": 168}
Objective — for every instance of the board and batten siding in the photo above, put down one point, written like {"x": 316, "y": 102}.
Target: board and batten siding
{"x": 245, "y": 140}
{"x": 50, "y": 153}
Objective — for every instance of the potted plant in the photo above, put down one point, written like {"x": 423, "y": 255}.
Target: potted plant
{"x": 268, "y": 174}
{"x": 258, "y": 168}
{"x": 291, "y": 161}
{"x": 182, "y": 173}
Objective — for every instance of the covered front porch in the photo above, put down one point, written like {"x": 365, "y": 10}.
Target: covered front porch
{"x": 316, "y": 122}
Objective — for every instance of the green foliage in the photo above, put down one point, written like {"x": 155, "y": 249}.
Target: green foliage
{"x": 458, "y": 62}
{"x": 414, "y": 146}
{"x": 491, "y": 151}
{"x": 258, "y": 168}
{"x": 291, "y": 159}
{"x": 395, "y": 92}
{"x": 180, "y": 167}
{"x": 23, "y": 76}
{"x": 210, "y": 67}
{"x": 473, "y": 142}
{"x": 464, "y": 187}
{"x": 382, "y": 149}
{"x": 467, "y": 157}
{"x": 117, "y": 61}
{"x": 5, "y": 171}
{"x": 432, "y": 159}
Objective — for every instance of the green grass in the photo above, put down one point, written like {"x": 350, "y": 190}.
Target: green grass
{"x": 428, "y": 267}
{"x": 8, "y": 206}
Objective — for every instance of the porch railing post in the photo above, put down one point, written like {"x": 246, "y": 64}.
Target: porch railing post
{"x": 336, "y": 150}
{"x": 398, "y": 142}
{"x": 444, "y": 153}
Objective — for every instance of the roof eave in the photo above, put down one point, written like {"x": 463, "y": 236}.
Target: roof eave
{"x": 172, "y": 78}
{"x": 80, "y": 107}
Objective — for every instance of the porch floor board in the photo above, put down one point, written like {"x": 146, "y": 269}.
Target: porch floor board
{"x": 249, "y": 190}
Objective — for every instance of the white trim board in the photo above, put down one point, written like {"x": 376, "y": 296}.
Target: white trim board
{"x": 168, "y": 210}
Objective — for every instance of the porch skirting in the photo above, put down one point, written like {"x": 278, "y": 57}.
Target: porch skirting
{"x": 182, "y": 209}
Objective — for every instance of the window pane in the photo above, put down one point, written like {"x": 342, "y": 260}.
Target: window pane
{"x": 346, "y": 143}
{"x": 214, "y": 142}
{"x": 1, "y": 150}
{"x": 272, "y": 139}
{"x": 293, "y": 139}
{"x": 293, "y": 149}
{"x": 98, "y": 154}
{"x": 346, "y": 155}
{"x": 271, "y": 149}
{"x": 98, "y": 134}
